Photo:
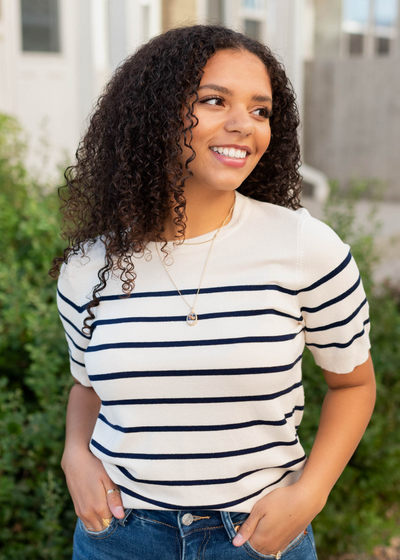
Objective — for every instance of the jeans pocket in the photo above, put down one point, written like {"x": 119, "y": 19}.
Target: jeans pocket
{"x": 103, "y": 534}
{"x": 293, "y": 544}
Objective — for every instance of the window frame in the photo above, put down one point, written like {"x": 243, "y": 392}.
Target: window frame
{"x": 37, "y": 52}
{"x": 371, "y": 34}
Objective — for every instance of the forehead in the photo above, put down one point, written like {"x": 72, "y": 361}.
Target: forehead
{"x": 237, "y": 70}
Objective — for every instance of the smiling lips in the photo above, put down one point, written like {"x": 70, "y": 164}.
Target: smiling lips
{"x": 230, "y": 152}
{"x": 232, "y": 157}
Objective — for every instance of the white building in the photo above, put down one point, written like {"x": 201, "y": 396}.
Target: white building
{"x": 56, "y": 55}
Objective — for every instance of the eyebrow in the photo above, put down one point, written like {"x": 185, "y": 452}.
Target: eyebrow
{"x": 226, "y": 91}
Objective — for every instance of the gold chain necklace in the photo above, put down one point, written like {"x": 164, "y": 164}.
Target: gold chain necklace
{"x": 192, "y": 317}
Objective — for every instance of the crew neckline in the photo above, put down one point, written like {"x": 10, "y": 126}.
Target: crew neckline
{"x": 199, "y": 241}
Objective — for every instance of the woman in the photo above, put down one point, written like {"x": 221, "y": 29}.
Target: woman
{"x": 193, "y": 281}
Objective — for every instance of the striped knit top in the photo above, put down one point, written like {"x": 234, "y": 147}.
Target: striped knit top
{"x": 206, "y": 416}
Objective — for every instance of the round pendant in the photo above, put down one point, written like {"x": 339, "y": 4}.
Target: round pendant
{"x": 191, "y": 319}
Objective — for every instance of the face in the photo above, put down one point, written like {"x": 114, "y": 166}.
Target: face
{"x": 233, "y": 132}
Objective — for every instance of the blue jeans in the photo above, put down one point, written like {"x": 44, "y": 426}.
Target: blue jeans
{"x": 178, "y": 535}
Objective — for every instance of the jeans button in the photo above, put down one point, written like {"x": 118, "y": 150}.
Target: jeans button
{"x": 187, "y": 519}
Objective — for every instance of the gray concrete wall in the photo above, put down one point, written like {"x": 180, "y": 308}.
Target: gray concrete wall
{"x": 352, "y": 119}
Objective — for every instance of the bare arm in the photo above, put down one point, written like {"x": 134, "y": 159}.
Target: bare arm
{"x": 345, "y": 414}
{"x": 280, "y": 516}
{"x": 86, "y": 477}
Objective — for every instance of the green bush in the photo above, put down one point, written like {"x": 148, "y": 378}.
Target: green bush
{"x": 36, "y": 513}
{"x": 36, "y": 519}
{"x": 362, "y": 509}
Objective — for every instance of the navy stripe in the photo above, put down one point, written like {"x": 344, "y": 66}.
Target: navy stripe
{"x": 200, "y": 428}
{"x": 196, "y": 507}
{"x": 78, "y": 308}
{"x": 185, "y": 343}
{"x": 76, "y": 361}
{"x": 203, "y": 400}
{"x": 73, "y": 326}
{"x": 204, "y": 316}
{"x": 339, "y": 344}
{"x": 174, "y": 456}
{"x": 74, "y": 343}
{"x": 194, "y": 372}
{"x": 338, "y": 323}
{"x": 213, "y": 290}
{"x": 174, "y": 293}
{"x": 329, "y": 276}
{"x": 207, "y": 482}
{"x": 344, "y": 295}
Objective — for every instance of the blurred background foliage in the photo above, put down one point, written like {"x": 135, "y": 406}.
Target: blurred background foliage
{"x": 36, "y": 513}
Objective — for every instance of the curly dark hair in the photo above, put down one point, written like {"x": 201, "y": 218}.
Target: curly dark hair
{"x": 127, "y": 169}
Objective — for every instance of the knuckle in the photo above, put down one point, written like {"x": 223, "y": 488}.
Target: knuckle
{"x": 246, "y": 527}
{"x": 113, "y": 498}
{"x": 100, "y": 508}
{"x": 85, "y": 513}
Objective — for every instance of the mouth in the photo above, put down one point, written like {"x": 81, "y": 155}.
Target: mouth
{"x": 231, "y": 152}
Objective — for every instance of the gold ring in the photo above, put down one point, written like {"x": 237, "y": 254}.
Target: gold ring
{"x": 113, "y": 490}
{"x": 278, "y": 555}
{"x": 106, "y": 522}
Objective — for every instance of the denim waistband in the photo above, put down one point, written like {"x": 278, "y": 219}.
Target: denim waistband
{"x": 187, "y": 521}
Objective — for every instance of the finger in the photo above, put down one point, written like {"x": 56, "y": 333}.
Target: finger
{"x": 246, "y": 530}
{"x": 115, "y": 503}
{"x": 93, "y": 524}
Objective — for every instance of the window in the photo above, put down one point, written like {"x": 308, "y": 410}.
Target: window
{"x": 253, "y": 14}
{"x": 40, "y": 27}
{"x": 252, "y": 28}
{"x": 257, "y": 5}
{"x": 369, "y": 26}
{"x": 216, "y": 12}
{"x": 385, "y": 19}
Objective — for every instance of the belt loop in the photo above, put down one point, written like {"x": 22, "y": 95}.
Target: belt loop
{"x": 123, "y": 520}
{"x": 227, "y": 521}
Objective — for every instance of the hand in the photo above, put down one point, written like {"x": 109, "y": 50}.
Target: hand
{"x": 278, "y": 518}
{"x": 88, "y": 484}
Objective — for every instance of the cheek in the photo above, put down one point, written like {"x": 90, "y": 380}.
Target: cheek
{"x": 265, "y": 140}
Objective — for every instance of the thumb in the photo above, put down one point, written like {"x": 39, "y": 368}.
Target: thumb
{"x": 246, "y": 530}
{"x": 114, "y": 502}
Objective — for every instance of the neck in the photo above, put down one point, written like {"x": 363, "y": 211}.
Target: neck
{"x": 204, "y": 213}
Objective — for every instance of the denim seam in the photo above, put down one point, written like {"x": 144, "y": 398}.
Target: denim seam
{"x": 179, "y": 542}
{"x": 154, "y": 521}
{"x": 273, "y": 555}
{"x": 312, "y": 546}
{"x": 198, "y": 554}
{"x": 305, "y": 534}
{"x": 98, "y": 536}
{"x": 203, "y": 529}
{"x": 205, "y": 546}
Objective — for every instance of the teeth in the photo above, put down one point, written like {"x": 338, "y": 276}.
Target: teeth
{"x": 230, "y": 152}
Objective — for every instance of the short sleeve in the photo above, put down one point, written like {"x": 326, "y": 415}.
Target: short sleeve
{"x": 332, "y": 299}
{"x": 72, "y": 302}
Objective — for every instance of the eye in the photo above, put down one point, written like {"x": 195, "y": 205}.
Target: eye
{"x": 263, "y": 112}
{"x": 212, "y": 100}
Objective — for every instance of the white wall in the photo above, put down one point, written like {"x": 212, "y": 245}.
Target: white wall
{"x": 38, "y": 88}
{"x": 52, "y": 94}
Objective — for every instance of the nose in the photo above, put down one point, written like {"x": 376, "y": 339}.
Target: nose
{"x": 239, "y": 121}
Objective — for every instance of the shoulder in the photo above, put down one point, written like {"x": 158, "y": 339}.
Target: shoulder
{"x": 321, "y": 251}
{"x": 291, "y": 226}
{"x": 80, "y": 274}
{"x": 305, "y": 240}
